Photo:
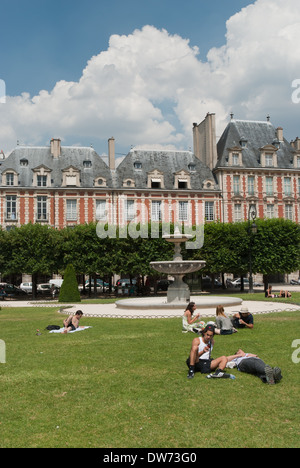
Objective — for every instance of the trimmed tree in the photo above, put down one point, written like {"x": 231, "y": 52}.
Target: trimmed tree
{"x": 69, "y": 290}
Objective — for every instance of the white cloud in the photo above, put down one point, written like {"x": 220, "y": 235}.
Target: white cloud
{"x": 149, "y": 87}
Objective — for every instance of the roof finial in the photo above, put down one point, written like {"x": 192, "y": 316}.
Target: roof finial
{"x": 231, "y": 115}
{"x": 268, "y": 118}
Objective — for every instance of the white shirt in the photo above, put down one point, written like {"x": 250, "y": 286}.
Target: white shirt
{"x": 201, "y": 347}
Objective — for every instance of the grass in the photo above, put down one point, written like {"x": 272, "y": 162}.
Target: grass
{"x": 123, "y": 383}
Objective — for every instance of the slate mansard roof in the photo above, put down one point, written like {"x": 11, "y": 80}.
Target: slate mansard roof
{"x": 167, "y": 162}
{"x": 70, "y": 156}
{"x": 256, "y": 135}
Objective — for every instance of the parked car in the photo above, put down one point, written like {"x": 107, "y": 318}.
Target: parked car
{"x": 207, "y": 282}
{"x": 26, "y": 287}
{"x": 101, "y": 286}
{"x": 125, "y": 283}
{"x": 46, "y": 289}
{"x": 11, "y": 290}
{"x": 237, "y": 282}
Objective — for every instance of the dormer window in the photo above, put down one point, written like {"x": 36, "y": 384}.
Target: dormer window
{"x": 243, "y": 142}
{"x": 156, "y": 180}
{"x": 41, "y": 176}
{"x": 208, "y": 184}
{"x": 182, "y": 180}
{"x": 235, "y": 156}
{"x": 269, "y": 160}
{"x": 235, "y": 159}
{"x": 71, "y": 177}
{"x": 192, "y": 167}
{"x": 138, "y": 165}
{"x": 87, "y": 164}
{"x": 100, "y": 182}
{"x": 182, "y": 184}
{"x": 268, "y": 156}
{"x": 41, "y": 180}
{"x": 128, "y": 183}
{"x": 9, "y": 178}
{"x": 23, "y": 162}
{"x": 155, "y": 183}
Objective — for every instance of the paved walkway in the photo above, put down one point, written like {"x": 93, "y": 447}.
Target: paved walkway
{"x": 110, "y": 310}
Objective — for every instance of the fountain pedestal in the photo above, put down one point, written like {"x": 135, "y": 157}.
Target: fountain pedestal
{"x": 178, "y": 291}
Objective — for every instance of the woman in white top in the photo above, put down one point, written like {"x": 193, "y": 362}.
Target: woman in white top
{"x": 190, "y": 323}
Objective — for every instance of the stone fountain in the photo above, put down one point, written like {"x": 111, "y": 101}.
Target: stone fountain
{"x": 178, "y": 294}
{"x": 178, "y": 291}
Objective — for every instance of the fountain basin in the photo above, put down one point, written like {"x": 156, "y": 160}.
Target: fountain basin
{"x": 160, "y": 303}
{"x": 180, "y": 267}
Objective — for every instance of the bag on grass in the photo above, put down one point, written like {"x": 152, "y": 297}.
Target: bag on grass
{"x": 53, "y": 327}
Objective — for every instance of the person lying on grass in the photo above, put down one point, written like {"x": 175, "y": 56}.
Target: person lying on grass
{"x": 252, "y": 364}
{"x": 72, "y": 322}
{"x": 200, "y": 356}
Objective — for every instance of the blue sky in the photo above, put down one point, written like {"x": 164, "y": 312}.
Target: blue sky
{"x": 107, "y": 68}
{"x": 44, "y": 41}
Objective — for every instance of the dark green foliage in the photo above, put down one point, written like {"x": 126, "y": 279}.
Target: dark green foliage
{"x": 69, "y": 291}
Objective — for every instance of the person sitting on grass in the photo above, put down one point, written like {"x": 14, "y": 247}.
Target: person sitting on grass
{"x": 190, "y": 323}
{"x": 200, "y": 356}
{"x": 72, "y": 322}
{"x": 224, "y": 324}
{"x": 282, "y": 293}
{"x": 252, "y": 364}
{"x": 243, "y": 319}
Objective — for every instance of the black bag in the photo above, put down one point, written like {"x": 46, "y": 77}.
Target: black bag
{"x": 53, "y": 327}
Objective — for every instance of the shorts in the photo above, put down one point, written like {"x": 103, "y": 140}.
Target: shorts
{"x": 72, "y": 327}
{"x": 203, "y": 365}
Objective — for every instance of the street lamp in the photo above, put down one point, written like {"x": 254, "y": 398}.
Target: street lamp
{"x": 252, "y": 231}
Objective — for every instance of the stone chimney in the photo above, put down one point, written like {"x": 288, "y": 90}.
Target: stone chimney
{"x": 205, "y": 142}
{"x": 111, "y": 154}
{"x": 296, "y": 144}
{"x": 279, "y": 131}
{"x": 55, "y": 147}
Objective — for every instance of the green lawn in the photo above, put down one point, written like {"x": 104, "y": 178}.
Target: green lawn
{"x": 123, "y": 383}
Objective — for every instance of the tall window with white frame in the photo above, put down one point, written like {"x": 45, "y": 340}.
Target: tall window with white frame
{"x": 269, "y": 186}
{"x": 209, "y": 211}
{"x": 71, "y": 210}
{"x": 251, "y": 189}
{"x": 237, "y": 212}
{"x": 236, "y": 185}
{"x": 270, "y": 210}
{"x": 41, "y": 208}
{"x": 11, "y": 207}
{"x": 156, "y": 211}
{"x": 183, "y": 214}
{"x": 287, "y": 186}
{"x": 101, "y": 210}
{"x": 289, "y": 212}
{"x": 129, "y": 210}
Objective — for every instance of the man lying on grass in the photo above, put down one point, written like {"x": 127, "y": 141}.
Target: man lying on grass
{"x": 252, "y": 364}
